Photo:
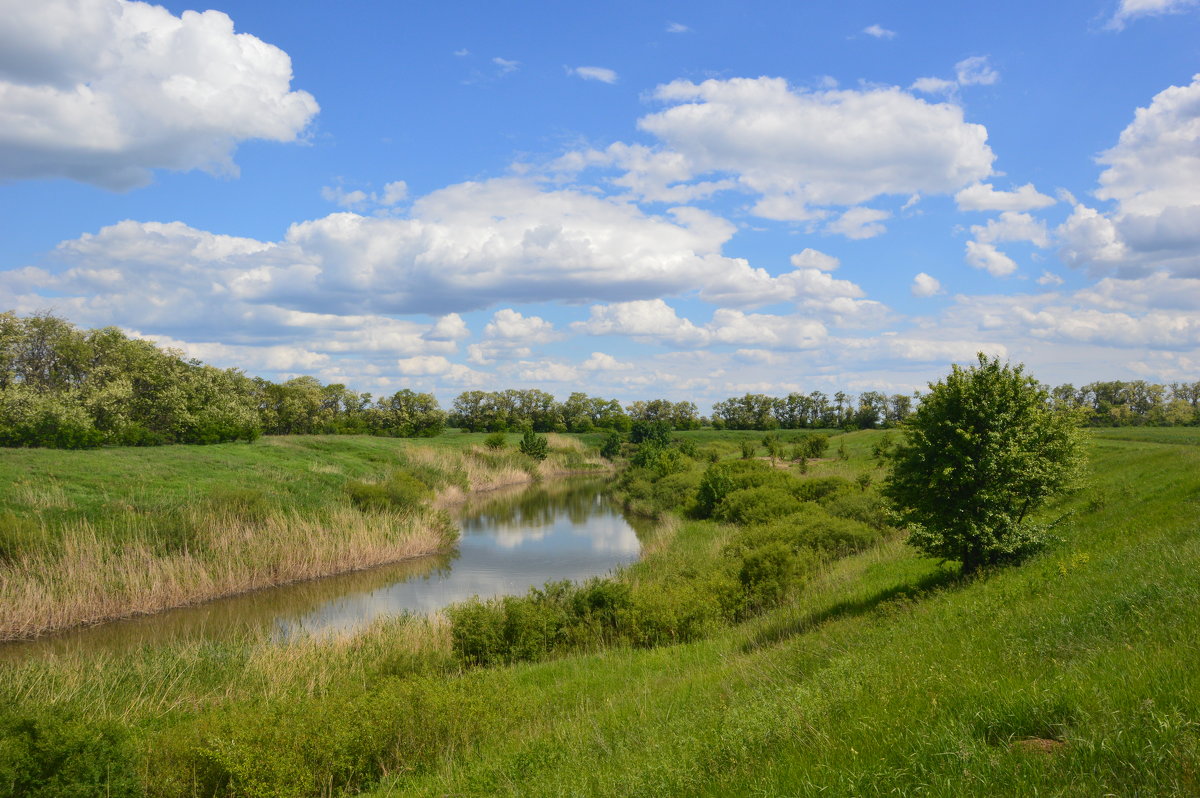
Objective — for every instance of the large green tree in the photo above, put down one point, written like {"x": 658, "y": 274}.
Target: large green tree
{"x": 982, "y": 452}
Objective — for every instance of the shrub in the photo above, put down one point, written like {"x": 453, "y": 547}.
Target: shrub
{"x": 715, "y": 485}
{"x": 55, "y": 754}
{"x": 534, "y": 445}
{"x": 495, "y": 441}
{"x": 755, "y": 505}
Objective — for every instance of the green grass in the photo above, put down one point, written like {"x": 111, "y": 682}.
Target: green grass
{"x": 886, "y": 675}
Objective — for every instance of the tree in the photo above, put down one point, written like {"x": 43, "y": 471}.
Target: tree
{"x": 534, "y": 445}
{"x": 984, "y": 449}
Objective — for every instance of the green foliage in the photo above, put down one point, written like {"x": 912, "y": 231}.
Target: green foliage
{"x": 715, "y": 485}
{"x": 755, "y": 505}
{"x": 495, "y": 441}
{"x": 611, "y": 448}
{"x": 982, "y": 452}
{"x": 534, "y": 445}
{"x": 655, "y": 433}
{"x": 51, "y": 754}
{"x": 748, "y": 449}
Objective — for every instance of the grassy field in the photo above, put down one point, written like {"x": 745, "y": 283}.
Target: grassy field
{"x": 1073, "y": 673}
{"x": 87, "y": 536}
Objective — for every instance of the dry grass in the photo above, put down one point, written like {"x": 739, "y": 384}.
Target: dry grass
{"x": 90, "y": 580}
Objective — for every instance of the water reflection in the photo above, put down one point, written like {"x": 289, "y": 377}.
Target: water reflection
{"x": 510, "y": 541}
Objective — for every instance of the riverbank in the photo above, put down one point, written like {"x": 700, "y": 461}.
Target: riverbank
{"x": 87, "y": 537}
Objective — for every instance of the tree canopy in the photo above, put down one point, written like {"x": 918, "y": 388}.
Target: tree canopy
{"x": 984, "y": 449}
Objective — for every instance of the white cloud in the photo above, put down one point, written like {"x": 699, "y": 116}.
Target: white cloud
{"x": 656, "y": 320}
{"x": 548, "y": 371}
{"x": 649, "y": 318}
{"x": 879, "y": 32}
{"x": 934, "y": 86}
{"x": 506, "y": 65}
{"x": 1153, "y": 177}
{"x": 676, "y": 27}
{"x": 510, "y": 325}
{"x": 345, "y": 199}
{"x": 802, "y": 150}
{"x": 925, "y": 286}
{"x": 983, "y": 197}
{"x": 509, "y": 335}
{"x": 450, "y": 327}
{"x": 392, "y": 194}
{"x": 1013, "y": 226}
{"x": 104, "y": 91}
{"x": 858, "y": 223}
{"x": 438, "y": 366}
{"x": 975, "y": 71}
{"x": 602, "y": 74}
{"x": 812, "y": 259}
{"x": 1131, "y": 9}
{"x": 1049, "y": 278}
{"x": 599, "y": 361}
{"x": 987, "y": 257}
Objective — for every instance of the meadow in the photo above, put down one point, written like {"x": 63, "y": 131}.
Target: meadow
{"x": 871, "y": 670}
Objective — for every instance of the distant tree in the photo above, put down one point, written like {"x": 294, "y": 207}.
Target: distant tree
{"x": 984, "y": 449}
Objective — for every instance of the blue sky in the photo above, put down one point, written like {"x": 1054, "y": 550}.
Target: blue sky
{"x": 682, "y": 200}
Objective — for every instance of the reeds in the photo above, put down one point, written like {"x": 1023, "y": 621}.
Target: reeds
{"x": 94, "y": 575}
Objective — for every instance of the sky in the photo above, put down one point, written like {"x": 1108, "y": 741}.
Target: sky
{"x": 637, "y": 200}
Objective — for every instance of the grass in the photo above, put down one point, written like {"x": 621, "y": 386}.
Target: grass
{"x": 1070, "y": 674}
{"x": 96, "y": 535}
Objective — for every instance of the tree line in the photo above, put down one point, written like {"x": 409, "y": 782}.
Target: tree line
{"x": 61, "y": 386}
{"x": 69, "y": 388}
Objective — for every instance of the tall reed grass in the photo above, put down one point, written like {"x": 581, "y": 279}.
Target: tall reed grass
{"x": 139, "y": 566}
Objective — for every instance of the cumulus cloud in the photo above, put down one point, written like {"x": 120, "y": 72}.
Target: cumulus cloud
{"x": 988, "y": 258}
{"x": 804, "y": 150}
{"x": 858, "y": 223}
{"x": 925, "y": 286}
{"x": 648, "y": 318}
{"x": 657, "y": 321}
{"x": 602, "y": 74}
{"x": 813, "y": 259}
{"x": 677, "y": 27}
{"x": 879, "y": 32}
{"x": 983, "y": 197}
{"x": 1152, "y": 176}
{"x": 510, "y": 334}
{"x": 600, "y": 361}
{"x": 1013, "y": 226}
{"x": 104, "y": 91}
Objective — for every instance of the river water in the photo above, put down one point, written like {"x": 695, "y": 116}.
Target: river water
{"x": 509, "y": 542}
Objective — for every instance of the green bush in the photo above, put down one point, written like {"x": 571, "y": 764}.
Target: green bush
{"x": 56, "y": 755}
{"x": 611, "y": 448}
{"x": 495, "y": 441}
{"x": 756, "y": 505}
